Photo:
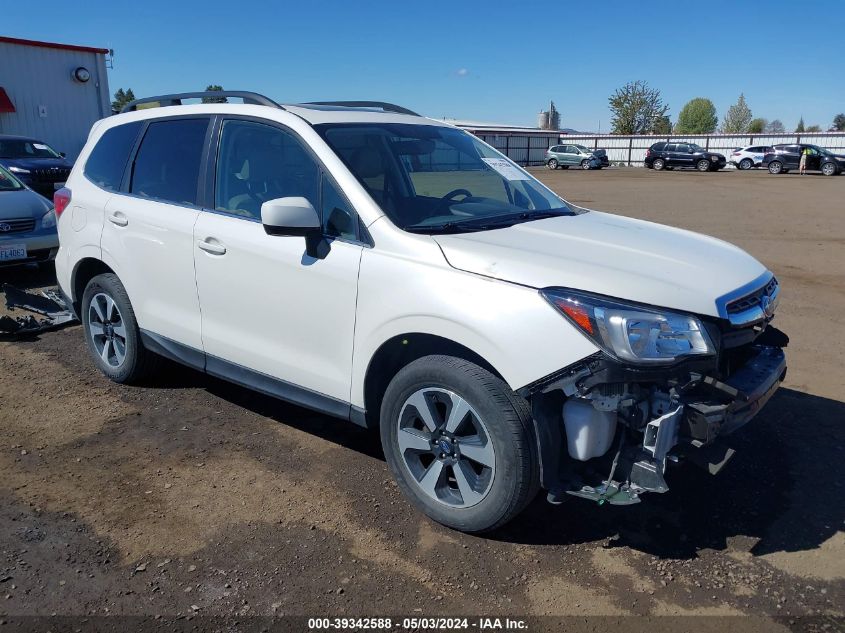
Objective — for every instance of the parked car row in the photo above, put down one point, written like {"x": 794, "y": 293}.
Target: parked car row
{"x": 778, "y": 159}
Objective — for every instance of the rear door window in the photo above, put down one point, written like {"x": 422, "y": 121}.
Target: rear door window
{"x": 658, "y": 147}
{"x": 107, "y": 161}
{"x": 167, "y": 164}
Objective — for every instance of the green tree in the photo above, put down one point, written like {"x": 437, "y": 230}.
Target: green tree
{"x": 737, "y": 118}
{"x": 813, "y": 128}
{"x": 775, "y": 127}
{"x": 757, "y": 126}
{"x": 698, "y": 116}
{"x": 800, "y": 126}
{"x": 839, "y": 122}
{"x": 662, "y": 126}
{"x": 635, "y": 108}
{"x": 214, "y": 88}
{"x": 121, "y": 98}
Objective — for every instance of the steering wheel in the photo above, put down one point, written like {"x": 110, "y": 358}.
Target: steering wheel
{"x": 449, "y": 196}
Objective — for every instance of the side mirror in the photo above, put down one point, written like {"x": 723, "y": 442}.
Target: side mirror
{"x": 289, "y": 216}
{"x": 295, "y": 216}
{"x": 63, "y": 154}
{"x": 689, "y": 151}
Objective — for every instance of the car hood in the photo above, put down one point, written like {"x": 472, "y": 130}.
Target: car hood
{"x": 36, "y": 163}
{"x": 609, "y": 255}
{"x": 23, "y": 203}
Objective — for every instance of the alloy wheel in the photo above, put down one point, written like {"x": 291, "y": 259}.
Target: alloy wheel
{"x": 445, "y": 446}
{"x": 107, "y": 329}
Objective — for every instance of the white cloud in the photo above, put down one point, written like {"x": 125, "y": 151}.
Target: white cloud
{"x": 462, "y": 72}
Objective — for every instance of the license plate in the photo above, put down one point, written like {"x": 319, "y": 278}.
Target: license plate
{"x": 12, "y": 251}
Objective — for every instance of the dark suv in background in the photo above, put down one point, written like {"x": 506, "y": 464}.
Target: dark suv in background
{"x": 788, "y": 156}
{"x": 34, "y": 163}
{"x": 665, "y": 155}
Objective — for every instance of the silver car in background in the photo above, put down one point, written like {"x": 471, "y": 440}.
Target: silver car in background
{"x": 27, "y": 224}
{"x": 566, "y": 156}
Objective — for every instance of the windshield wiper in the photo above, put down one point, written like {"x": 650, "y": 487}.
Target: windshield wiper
{"x": 484, "y": 224}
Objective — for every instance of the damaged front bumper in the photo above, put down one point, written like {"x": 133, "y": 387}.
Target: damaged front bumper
{"x": 669, "y": 415}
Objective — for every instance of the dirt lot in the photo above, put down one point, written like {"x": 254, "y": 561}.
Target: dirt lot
{"x": 190, "y": 496}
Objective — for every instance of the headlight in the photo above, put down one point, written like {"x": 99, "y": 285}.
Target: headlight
{"x": 18, "y": 170}
{"x": 632, "y": 333}
{"x": 714, "y": 158}
{"x": 48, "y": 220}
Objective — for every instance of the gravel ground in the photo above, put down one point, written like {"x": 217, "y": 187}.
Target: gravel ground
{"x": 189, "y": 497}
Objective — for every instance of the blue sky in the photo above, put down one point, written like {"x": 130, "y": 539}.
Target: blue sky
{"x": 490, "y": 61}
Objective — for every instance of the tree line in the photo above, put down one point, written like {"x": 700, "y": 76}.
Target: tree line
{"x": 637, "y": 108}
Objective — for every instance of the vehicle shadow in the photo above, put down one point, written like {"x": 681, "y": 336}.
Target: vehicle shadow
{"x": 779, "y": 493}
{"x": 28, "y": 276}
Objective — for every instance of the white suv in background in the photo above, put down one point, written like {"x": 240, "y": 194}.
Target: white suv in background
{"x": 749, "y": 156}
{"x": 397, "y": 272}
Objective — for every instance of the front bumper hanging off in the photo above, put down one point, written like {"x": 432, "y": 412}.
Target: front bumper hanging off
{"x": 702, "y": 410}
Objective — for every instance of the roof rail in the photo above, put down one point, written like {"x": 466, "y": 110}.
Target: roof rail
{"x": 387, "y": 107}
{"x": 176, "y": 99}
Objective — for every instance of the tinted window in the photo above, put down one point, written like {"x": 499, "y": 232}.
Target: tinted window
{"x": 257, "y": 163}
{"x": 26, "y": 148}
{"x": 670, "y": 147}
{"x": 168, "y": 162}
{"x": 339, "y": 220}
{"x": 108, "y": 159}
{"x": 658, "y": 147}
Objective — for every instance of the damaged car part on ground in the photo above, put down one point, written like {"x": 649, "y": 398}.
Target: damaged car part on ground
{"x": 49, "y": 304}
{"x": 659, "y": 415}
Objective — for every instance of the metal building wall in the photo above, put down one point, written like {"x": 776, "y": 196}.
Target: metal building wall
{"x": 50, "y": 105}
{"x": 523, "y": 148}
{"x": 630, "y": 150}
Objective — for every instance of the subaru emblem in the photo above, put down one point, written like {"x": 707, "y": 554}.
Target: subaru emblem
{"x": 5, "y": 227}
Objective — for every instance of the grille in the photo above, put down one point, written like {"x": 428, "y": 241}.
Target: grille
{"x": 751, "y": 300}
{"x": 51, "y": 174}
{"x": 19, "y": 225}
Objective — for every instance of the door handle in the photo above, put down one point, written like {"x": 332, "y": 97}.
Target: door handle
{"x": 215, "y": 247}
{"x": 118, "y": 218}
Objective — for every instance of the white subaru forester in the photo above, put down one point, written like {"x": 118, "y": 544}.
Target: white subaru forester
{"x": 395, "y": 271}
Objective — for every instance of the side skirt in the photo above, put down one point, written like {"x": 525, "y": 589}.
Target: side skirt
{"x": 252, "y": 379}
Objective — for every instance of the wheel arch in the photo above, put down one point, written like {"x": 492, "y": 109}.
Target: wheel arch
{"x": 402, "y": 349}
{"x": 84, "y": 271}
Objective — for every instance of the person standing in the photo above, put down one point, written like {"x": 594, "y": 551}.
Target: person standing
{"x": 802, "y": 165}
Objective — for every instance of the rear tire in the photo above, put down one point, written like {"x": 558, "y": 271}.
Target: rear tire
{"x": 746, "y": 163}
{"x": 552, "y": 164}
{"x": 658, "y": 164}
{"x": 776, "y": 167}
{"x": 452, "y": 487}
{"x": 111, "y": 332}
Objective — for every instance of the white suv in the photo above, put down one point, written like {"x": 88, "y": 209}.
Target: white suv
{"x": 396, "y": 272}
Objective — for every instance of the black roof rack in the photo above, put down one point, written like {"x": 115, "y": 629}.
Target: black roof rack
{"x": 176, "y": 99}
{"x": 387, "y": 107}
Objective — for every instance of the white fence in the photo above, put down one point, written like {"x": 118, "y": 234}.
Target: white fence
{"x": 630, "y": 150}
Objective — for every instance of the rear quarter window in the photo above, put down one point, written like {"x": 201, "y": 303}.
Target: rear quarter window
{"x": 107, "y": 160}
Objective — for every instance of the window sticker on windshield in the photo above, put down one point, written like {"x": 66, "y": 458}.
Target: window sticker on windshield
{"x": 39, "y": 146}
{"x": 506, "y": 169}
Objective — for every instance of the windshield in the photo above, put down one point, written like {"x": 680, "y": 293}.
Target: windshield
{"x": 8, "y": 182}
{"x": 433, "y": 179}
{"x": 26, "y": 148}
{"x": 696, "y": 148}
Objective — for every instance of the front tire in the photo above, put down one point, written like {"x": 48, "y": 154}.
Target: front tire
{"x": 746, "y": 163}
{"x": 459, "y": 443}
{"x": 829, "y": 169}
{"x": 775, "y": 167}
{"x": 585, "y": 164}
{"x": 111, "y": 331}
{"x": 703, "y": 165}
